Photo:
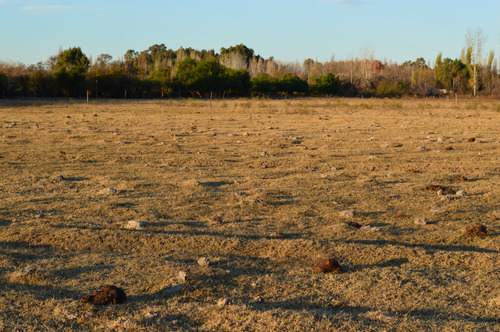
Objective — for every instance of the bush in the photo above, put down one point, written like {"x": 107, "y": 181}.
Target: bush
{"x": 386, "y": 88}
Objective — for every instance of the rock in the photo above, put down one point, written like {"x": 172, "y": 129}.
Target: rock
{"x": 275, "y": 235}
{"x": 476, "y": 230}
{"x": 460, "y": 178}
{"x": 59, "y": 178}
{"x": 106, "y": 295}
{"x": 448, "y": 148}
{"x": 181, "y": 277}
{"x": 421, "y": 221}
{"x": 347, "y": 214}
{"x": 353, "y": 224}
{"x": 135, "y": 224}
{"x": 328, "y": 265}
{"x": 440, "y": 139}
{"x": 192, "y": 183}
{"x": 222, "y": 302}
{"x": 471, "y": 139}
{"x": 258, "y": 299}
{"x": 370, "y": 228}
{"x": 203, "y": 262}
{"x": 444, "y": 190}
{"x": 108, "y": 191}
{"x": 461, "y": 193}
{"x": 171, "y": 289}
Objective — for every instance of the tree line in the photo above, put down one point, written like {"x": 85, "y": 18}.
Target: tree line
{"x": 238, "y": 72}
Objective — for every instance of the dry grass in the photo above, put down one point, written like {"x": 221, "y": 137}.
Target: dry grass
{"x": 215, "y": 180}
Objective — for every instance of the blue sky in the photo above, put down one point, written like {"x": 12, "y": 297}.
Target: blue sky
{"x": 289, "y": 30}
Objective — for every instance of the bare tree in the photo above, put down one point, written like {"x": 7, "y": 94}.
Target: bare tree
{"x": 474, "y": 41}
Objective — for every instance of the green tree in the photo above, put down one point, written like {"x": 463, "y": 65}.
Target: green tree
{"x": 4, "y": 85}
{"x": 327, "y": 84}
{"x": 69, "y": 72}
{"x": 290, "y": 84}
{"x": 262, "y": 85}
{"x": 238, "y": 82}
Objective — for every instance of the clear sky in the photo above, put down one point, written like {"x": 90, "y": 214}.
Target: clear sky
{"x": 289, "y": 30}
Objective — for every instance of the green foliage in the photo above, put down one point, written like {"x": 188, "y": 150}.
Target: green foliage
{"x": 290, "y": 84}
{"x": 238, "y": 82}
{"x": 386, "y": 88}
{"x": 69, "y": 71}
{"x": 201, "y": 78}
{"x": 262, "y": 85}
{"x": 452, "y": 75}
{"x": 327, "y": 84}
{"x": 4, "y": 85}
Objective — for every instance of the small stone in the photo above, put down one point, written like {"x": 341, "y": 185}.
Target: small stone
{"x": 328, "y": 265}
{"x": 440, "y": 139}
{"x": 150, "y": 314}
{"x": 108, "y": 191}
{"x": 476, "y": 230}
{"x": 59, "y": 178}
{"x": 448, "y": 148}
{"x": 421, "y": 221}
{"x": 370, "y": 228}
{"x": 347, "y": 214}
{"x": 222, "y": 302}
{"x": 204, "y": 262}
{"x": 192, "y": 183}
{"x": 471, "y": 139}
{"x": 171, "y": 289}
{"x": 258, "y": 299}
{"x": 181, "y": 277}
{"x": 461, "y": 193}
{"x": 135, "y": 224}
{"x": 276, "y": 235}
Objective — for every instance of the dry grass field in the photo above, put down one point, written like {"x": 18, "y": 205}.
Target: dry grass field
{"x": 215, "y": 180}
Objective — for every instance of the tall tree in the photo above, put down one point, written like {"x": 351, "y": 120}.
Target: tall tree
{"x": 70, "y": 69}
{"x": 474, "y": 40}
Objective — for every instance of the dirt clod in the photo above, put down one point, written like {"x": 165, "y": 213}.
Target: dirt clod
{"x": 328, "y": 265}
{"x": 460, "y": 178}
{"x": 444, "y": 190}
{"x": 476, "y": 230}
{"x": 471, "y": 139}
{"x": 106, "y": 295}
{"x": 353, "y": 224}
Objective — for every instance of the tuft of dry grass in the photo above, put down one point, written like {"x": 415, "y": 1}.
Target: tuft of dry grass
{"x": 257, "y": 189}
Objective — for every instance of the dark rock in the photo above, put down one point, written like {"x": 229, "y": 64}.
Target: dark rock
{"x": 328, "y": 265}
{"x": 106, "y": 295}
{"x": 476, "y": 230}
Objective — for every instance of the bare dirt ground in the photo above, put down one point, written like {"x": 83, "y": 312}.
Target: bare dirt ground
{"x": 176, "y": 202}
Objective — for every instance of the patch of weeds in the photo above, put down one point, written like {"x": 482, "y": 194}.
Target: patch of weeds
{"x": 224, "y": 105}
{"x": 246, "y": 104}
{"x": 365, "y": 106}
{"x": 394, "y": 105}
{"x": 472, "y": 106}
{"x": 424, "y": 106}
